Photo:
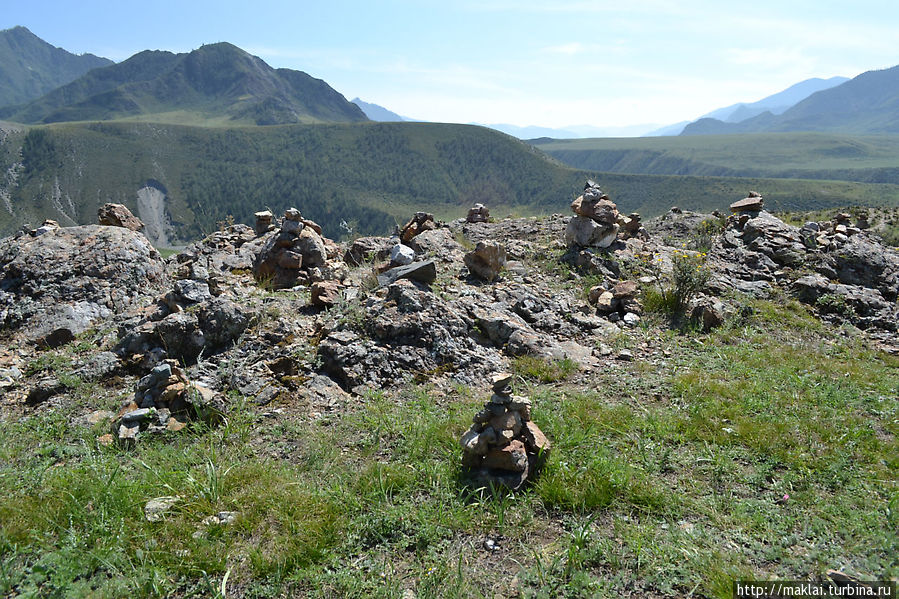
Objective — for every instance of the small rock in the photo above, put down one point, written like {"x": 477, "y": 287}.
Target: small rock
{"x": 138, "y": 416}
{"x": 402, "y": 254}
{"x": 625, "y": 355}
{"x": 753, "y": 203}
{"x": 220, "y": 519}
{"x": 325, "y": 294}
{"x": 423, "y": 272}
{"x": 631, "y": 319}
{"x": 118, "y": 215}
{"x": 156, "y": 509}
{"x": 501, "y": 380}
{"x": 486, "y": 260}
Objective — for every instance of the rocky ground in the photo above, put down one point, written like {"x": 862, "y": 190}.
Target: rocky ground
{"x": 235, "y": 309}
{"x": 283, "y": 319}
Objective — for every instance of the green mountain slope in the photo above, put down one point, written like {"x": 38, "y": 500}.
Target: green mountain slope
{"x": 215, "y": 84}
{"x": 370, "y": 175}
{"x": 867, "y": 104}
{"x": 30, "y": 67}
{"x": 870, "y": 159}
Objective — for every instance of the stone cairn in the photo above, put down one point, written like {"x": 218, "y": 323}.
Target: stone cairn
{"x": 164, "y": 400}
{"x": 597, "y": 222}
{"x": 478, "y": 214}
{"x": 833, "y": 233}
{"x": 504, "y": 447}
{"x": 264, "y": 222}
{"x": 289, "y": 257}
{"x": 754, "y": 202}
{"x": 419, "y": 223}
{"x": 620, "y": 302}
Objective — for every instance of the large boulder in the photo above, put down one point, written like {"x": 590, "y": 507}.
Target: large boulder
{"x": 212, "y": 328}
{"x": 57, "y": 285}
{"x": 864, "y": 262}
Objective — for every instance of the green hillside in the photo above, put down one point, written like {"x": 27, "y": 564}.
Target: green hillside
{"x": 371, "y": 175}
{"x": 30, "y": 67}
{"x": 215, "y": 84}
{"x": 872, "y": 159}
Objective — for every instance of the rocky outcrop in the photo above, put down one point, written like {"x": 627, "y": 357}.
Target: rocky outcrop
{"x": 856, "y": 280}
{"x": 211, "y": 328}
{"x": 57, "y": 285}
{"x": 409, "y": 330}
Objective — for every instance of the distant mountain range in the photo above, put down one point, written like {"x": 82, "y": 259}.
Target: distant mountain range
{"x": 775, "y": 104}
{"x": 572, "y": 131}
{"x": 867, "y": 104}
{"x": 217, "y": 83}
{"x": 378, "y": 113}
{"x": 30, "y": 67}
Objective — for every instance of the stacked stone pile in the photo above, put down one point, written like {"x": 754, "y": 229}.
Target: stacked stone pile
{"x": 419, "y": 223}
{"x": 831, "y": 234}
{"x": 264, "y": 222}
{"x": 292, "y": 256}
{"x": 752, "y": 203}
{"x": 479, "y": 213}
{"x": 597, "y": 222}
{"x": 164, "y": 400}
{"x": 504, "y": 447}
{"x": 620, "y": 302}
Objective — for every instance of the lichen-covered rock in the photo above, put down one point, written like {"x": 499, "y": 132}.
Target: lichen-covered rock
{"x": 57, "y": 285}
{"x": 212, "y": 328}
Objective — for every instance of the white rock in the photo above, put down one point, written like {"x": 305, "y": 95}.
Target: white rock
{"x": 402, "y": 254}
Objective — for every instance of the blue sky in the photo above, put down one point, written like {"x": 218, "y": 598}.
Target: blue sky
{"x": 500, "y": 61}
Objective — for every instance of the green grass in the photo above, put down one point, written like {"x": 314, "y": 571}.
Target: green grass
{"x": 663, "y": 480}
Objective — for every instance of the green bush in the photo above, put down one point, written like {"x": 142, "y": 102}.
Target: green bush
{"x": 706, "y": 233}
{"x": 689, "y": 276}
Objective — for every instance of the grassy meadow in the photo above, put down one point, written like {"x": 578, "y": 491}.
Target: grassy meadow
{"x": 766, "y": 449}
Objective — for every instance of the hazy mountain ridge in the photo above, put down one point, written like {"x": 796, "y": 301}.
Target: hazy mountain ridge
{"x": 31, "y": 67}
{"x": 775, "y": 103}
{"x": 215, "y": 81}
{"x": 867, "y": 104}
{"x": 378, "y": 113}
